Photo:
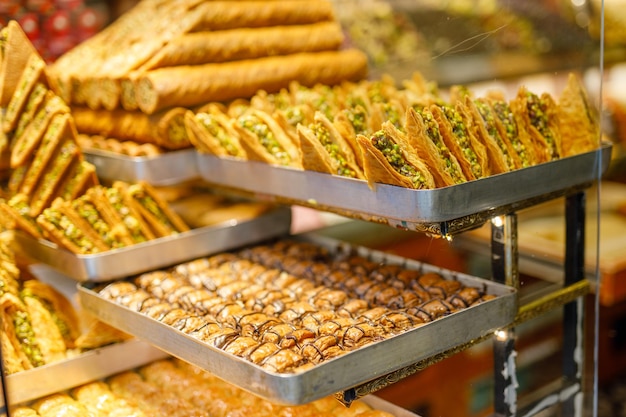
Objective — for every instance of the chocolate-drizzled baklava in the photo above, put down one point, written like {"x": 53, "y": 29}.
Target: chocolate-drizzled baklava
{"x": 289, "y": 305}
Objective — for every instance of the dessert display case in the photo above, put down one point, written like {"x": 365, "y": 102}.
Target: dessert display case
{"x": 445, "y": 212}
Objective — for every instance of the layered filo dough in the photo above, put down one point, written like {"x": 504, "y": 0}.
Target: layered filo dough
{"x": 409, "y": 137}
{"x": 171, "y": 387}
{"x": 167, "y": 63}
{"x": 291, "y": 305}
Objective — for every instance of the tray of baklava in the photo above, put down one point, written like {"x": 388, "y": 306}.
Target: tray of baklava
{"x": 296, "y": 318}
{"x": 115, "y": 231}
{"x": 401, "y": 206}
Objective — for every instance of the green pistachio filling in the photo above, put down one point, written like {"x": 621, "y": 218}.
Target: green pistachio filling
{"x": 150, "y": 204}
{"x": 538, "y": 113}
{"x": 504, "y": 113}
{"x": 70, "y": 230}
{"x": 432, "y": 130}
{"x": 462, "y": 137}
{"x": 131, "y": 222}
{"x": 26, "y": 335}
{"x": 218, "y": 132}
{"x": 58, "y": 321}
{"x": 492, "y": 130}
{"x": 396, "y": 159}
{"x": 323, "y": 135}
{"x": 266, "y": 137}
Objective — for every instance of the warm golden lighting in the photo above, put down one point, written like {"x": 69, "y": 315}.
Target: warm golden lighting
{"x": 498, "y": 221}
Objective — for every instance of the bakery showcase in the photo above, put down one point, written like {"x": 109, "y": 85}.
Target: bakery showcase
{"x": 155, "y": 174}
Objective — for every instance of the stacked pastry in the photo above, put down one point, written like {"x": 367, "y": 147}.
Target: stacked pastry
{"x": 162, "y": 56}
{"x": 411, "y": 137}
{"x": 174, "y": 388}
{"x": 291, "y": 305}
{"x": 39, "y": 325}
{"x": 40, "y": 138}
{"x": 101, "y": 219}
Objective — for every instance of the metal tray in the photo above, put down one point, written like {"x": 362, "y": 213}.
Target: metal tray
{"x": 335, "y": 375}
{"x": 89, "y": 366}
{"x": 161, "y": 170}
{"x": 155, "y": 253}
{"x": 458, "y": 207}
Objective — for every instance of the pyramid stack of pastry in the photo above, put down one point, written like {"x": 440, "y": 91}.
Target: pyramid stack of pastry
{"x": 40, "y": 148}
{"x": 166, "y": 55}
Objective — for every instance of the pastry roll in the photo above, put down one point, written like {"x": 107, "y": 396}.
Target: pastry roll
{"x": 235, "y": 44}
{"x": 221, "y": 15}
{"x": 188, "y": 86}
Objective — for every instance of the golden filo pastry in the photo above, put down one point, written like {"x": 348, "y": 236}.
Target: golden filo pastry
{"x": 491, "y": 127}
{"x": 24, "y": 411}
{"x": 69, "y": 232}
{"x": 61, "y": 404}
{"x": 221, "y": 15}
{"x": 264, "y": 140}
{"x": 483, "y": 125}
{"x": 537, "y": 116}
{"x": 60, "y": 308}
{"x": 32, "y": 74}
{"x": 60, "y": 127}
{"x": 37, "y": 96}
{"x": 458, "y": 136}
{"x": 325, "y": 150}
{"x": 507, "y": 124}
{"x": 18, "y": 336}
{"x": 189, "y": 86}
{"x": 56, "y": 171}
{"x": 165, "y": 129}
{"x": 389, "y": 159}
{"x": 99, "y": 399}
{"x": 102, "y": 218}
{"x": 53, "y": 320}
{"x": 17, "y": 209}
{"x": 426, "y": 139}
{"x": 578, "y": 120}
{"x": 25, "y": 144}
{"x": 245, "y": 43}
{"x": 15, "y": 52}
{"x": 211, "y": 131}
{"x": 159, "y": 216}
{"x": 80, "y": 176}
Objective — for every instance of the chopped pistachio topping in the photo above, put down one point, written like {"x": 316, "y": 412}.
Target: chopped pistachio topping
{"x": 396, "y": 159}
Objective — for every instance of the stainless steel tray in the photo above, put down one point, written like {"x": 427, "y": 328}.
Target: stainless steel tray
{"x": 458, "y": 207}
{"x": 161, "y": 170}
{"x": 156, "y": 253}
{"x": 89, "y": 366}
{"x": 335, "y": 375}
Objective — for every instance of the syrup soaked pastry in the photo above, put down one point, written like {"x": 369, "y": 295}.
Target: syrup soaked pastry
{"x": 325, "y": 150}
{"x": 388, "y": 159}
{"x": 461, "y": 140}
{"x": 578, "y": 121}
{"x": 426, "y": 139}
{"x": 537, "y": 116}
